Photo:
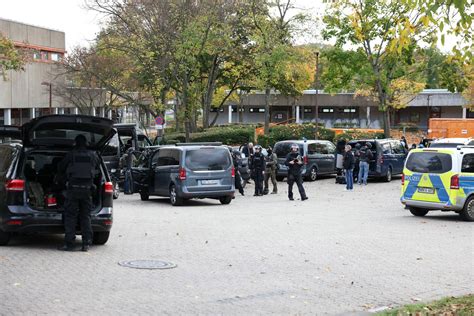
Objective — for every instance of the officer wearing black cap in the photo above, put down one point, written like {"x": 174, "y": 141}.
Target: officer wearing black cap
{"x": 257, "y": 165}
{"x": 79, "y": 168}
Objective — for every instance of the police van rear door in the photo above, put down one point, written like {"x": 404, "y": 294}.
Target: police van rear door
{"x": 61, "y": 130}
{"x": 428, "y": 175}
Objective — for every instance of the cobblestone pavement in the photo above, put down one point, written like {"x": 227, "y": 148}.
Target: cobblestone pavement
{"x": 337, "y": 253}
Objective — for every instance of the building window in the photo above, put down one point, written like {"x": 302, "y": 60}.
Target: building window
{"x": 44, "y": 55}
{"x": 214, "y": 110}
{"x": 36, "y": 55}
{"x": 326, "y": 110}
{"x": 308, "y": 110}
{"x": 414, "y": 117}
{"x": 56, "y": 57}
{"x": 257, "y": 110}
{"x": 348, "y": 110}
{"x": 234, "y": 109}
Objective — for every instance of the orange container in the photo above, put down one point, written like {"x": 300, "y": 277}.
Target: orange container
{"x": 450, "y": 128}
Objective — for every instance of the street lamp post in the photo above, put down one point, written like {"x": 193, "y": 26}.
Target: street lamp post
{"x": 316, "y": 115}
{"x": 50, "y": 85}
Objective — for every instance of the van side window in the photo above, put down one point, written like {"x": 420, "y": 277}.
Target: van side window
{"x": 168, "y": 157}
{"x": 320, "y": 149}
{"x": 468, "y": 163}
{"x": 386, "y": 148}
{"x": 154, "y": 159}
{"x": 5, "y": 159}
{"x": 312, "y": 149}
{"x": 398, "y": 148}
{"x": 331, "y": 148}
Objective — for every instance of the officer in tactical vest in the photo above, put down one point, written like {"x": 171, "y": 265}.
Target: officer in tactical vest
{"x": 294, "y": 162}
{"x": 79, "y": 168}
{"x": 257, "y": 165}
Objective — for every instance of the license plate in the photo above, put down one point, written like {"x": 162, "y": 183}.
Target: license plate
{"x": 426, "y": 190}
{"x": 209, "y": 182}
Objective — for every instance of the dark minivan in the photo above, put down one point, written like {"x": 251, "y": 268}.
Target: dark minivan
{"x": 187, "y": 171}
{"x": 318, "y": 156}
{"x": 31, "y": 200}
{"x": 389, "y": 157}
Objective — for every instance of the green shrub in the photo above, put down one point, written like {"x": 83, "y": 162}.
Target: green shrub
{"x": 294, "y": 131}
{"x": 234, "y": 135}
{"x": 358, "y": 134}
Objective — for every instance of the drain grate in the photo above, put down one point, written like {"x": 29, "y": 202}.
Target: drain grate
{"x": 147, "y": 264}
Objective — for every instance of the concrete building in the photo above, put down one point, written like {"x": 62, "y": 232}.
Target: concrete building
{"x": 26, "y": 94}
{"x": 344, "y": 110}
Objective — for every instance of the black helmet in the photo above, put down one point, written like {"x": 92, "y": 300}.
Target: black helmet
{"x": 80, "y": 140}
{"x": 368, "y": 144}
{"x": 257, "y": 147}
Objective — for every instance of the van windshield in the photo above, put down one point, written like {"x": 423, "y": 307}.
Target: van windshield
{"x": 429, "y": 162}
{"x": 283, "y": 149}
{"x": 207, "y": 159}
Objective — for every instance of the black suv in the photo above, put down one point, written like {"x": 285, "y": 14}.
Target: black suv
{"x": 31, "y": 200}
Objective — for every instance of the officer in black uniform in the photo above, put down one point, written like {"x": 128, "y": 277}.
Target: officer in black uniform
{"x": 257, "y": 165}
{"x": 294, "y": 162}
{"x": 79, "y": 168}
{"x": 236, "y": 163}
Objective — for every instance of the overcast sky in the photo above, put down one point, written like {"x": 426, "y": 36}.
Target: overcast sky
{"x": 81, "y": 25}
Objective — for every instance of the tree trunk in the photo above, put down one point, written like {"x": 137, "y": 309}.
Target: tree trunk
{"x": 267, "y": 110}
{"x": 209, "y": 94}
{"x": 187, "y": 108}
{"x": 239, "y": 109}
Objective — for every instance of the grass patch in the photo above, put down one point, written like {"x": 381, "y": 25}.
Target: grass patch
{"x": 451, "y": 306}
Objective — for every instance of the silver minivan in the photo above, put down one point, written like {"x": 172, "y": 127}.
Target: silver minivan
{"x": 186, "y": 171}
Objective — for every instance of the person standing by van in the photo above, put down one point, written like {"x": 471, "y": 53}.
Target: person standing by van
{"x": 257, "y": 165}
{"x": 348, "y": 164}
{"x": 236, "y": 163}
{"x": 80, "y": 167}
{"x": 270, "y": 170}
{"x": 365, "y": 156}
{"x": 294, "y": 162}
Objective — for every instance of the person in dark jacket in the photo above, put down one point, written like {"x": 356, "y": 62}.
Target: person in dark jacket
{"x": 270, "y": 171}
{"x": 294, "y": 162}
{"x": 348, "y": 164}
{"x": 79, "y": 167}
{"x": 236, "y": 162}
{"x": 340, "y": 145}
{"x": 365, "y": 156}
{"x": 257, "y": 165}
{"x": 356, "y": 162}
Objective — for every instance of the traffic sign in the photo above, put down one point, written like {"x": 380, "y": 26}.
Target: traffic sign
{"x": 159, "y": 120}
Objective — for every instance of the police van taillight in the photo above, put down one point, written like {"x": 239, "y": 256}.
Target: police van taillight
{"x": 109, "y": 187}
{"x": 15, "y": 185}
{"x": 454, "y": 182}
{"x": 182, "y": 174}
{"x": 233, "y": 172}
{"x": 403, "y": 179}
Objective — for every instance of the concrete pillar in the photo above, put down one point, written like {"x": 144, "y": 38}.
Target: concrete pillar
{"x": 109, "y": 114}
{"x": 102, "y": 112}
{"x": 61, "y": 111}
{"x": 464, "y": 112}
{"x": 76, "y": 111}
{"x": 230, "y": 114}
{"x": 32, "y": 113}
{"x": 93, "y": 111}
{"x": 7, "y": 116}
{"x": 368, "y": 116}
{"x": 298, "y": 114}
{"x": 55, "y": 111}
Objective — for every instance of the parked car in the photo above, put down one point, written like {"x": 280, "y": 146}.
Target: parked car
{"x": 451, "y": 142}
{"x": 30, "y": 198}
{"x": 439, "y": 179}
{"x": 318, "y": 156}
{"x": 389, "y": 157}
{"x": 186, "y": 171}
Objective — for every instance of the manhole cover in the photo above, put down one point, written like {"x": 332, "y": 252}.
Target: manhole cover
{"x": 147, "y": 264}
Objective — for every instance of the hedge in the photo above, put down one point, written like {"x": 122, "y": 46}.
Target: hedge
{"x": 294, "y": 131}
{"x": 358, "y": 134}
{"x": 231, "y": 135}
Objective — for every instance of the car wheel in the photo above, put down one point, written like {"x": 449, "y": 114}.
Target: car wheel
{"x": 144, "y": 195}
{"x": 280, "y": 178}
{"x": 313, "y": 174}
{"x": 388, "y": 176}
{"x": 4, "y": 238}
{"x": 100, "y": 238}
{"x": 174, "y": 199}
{"x": 225, "y": 200}
{"x": 467, "y": 213}
{"x": 418, "y": 211}
{"x": 116, "y": 190}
